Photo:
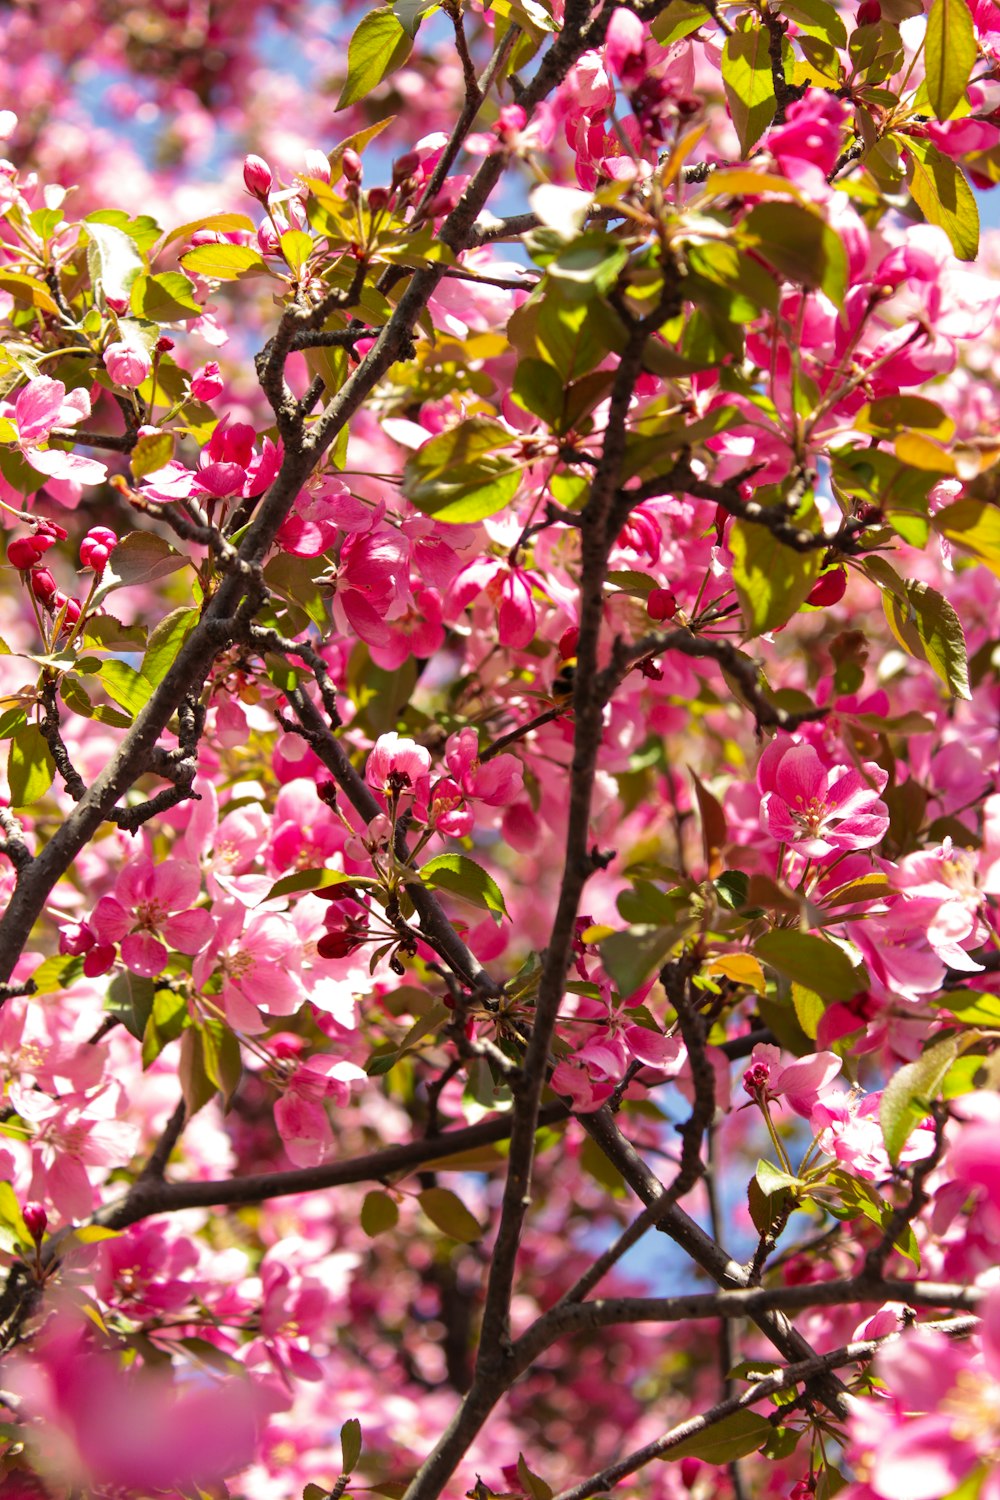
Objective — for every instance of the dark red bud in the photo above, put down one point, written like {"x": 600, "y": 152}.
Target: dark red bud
{"x": 35, "y": 1220}
{"x": 829, "y": 588}
{"x": 869, "y": 13}
{"x": 568, "y": 642}
{"x": 661, "y": 604}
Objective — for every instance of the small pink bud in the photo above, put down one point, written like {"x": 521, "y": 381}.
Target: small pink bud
{"x": 104, "y": 535}
{"x": 378, "y": 199}
{"x": 61, "y": 601}
{"x": 127, "y": 365}
{"x": 118, "y": 305}
{"x": 661, "y": 604}
{"x": 404, "y": 166}
{"x": 164, "y": 345}
{"x": 351, "y": 165}
{"x": 267, "y": 240}
{"x": 510, "y": 121}
{"x": 35, "y": 1220}
{"x": 257, "y": 176}
{"x": 318, "y": 164}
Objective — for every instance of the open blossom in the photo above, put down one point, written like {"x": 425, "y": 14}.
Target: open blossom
{"x": 153, "y": 903}
{"x": 260, "y": 964}
{"x": 820, "y": 811}
{"x": 800, "y": 1083}
{"x": 396, "y": 765}
{"x": 300, "y": 1114}
{"x": 40, "y": 406}
{"x": 935, "y": 1422}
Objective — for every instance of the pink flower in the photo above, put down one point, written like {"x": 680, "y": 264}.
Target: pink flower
{"x": 817, "y": 811}
{"x": 260, "y": 962}
{"x": 42, "y": 405}
{"x": 496, "y": 783}
{"x": 70, "y": 1136}
{"x": 396, "y": 765}
{"x": 128, "y": 364}
{"x": 800, "y": 1083}
{"x": 257, "y": 176}
{"x": 149, "y": 900}
{"x": 207, "y": 383}
{"x": 300, "y": 1113}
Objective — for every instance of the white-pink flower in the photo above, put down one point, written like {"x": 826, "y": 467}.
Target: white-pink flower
{"x": 40, "y": 406}
{"x": 396, "y": 765}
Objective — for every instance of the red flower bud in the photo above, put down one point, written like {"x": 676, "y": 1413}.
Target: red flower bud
{"x": 869, "y": 13}
{"x": 404, "y": 166}
{"x": 35, "y": 1220}
{"x": 76, "y": 938}
{"x": 568, "y": 642}
{"x": 99, "y": 960}
{"x": 24, "y": 552}
{"x": 336, "y": 944}
{"x": 661, "y": 604}
{"x": 828, "y": 588}
{"x": 50, "y": 528}
{"x": 43, "y": 585}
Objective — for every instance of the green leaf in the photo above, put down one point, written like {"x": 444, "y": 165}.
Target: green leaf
{"x": 809, "y": 1009}
{"x": 975, "y": 527}
{"x": 461, "y": 876}
{"x": 924, "y": 624}
{"x": 296, "y": 247}
{"x": 167, "y": 1020}
{"x": 153, "y": 451}
{"x": 314, "y": 880}
{"x": 112, "y": 261}
{"x": 460, "y": 476}
{"x": 816, "y": 18}
{"x": 908, "y": 1094}
{"x": 379, "y": 1213}
{"x": 130, "y": 1001}
{"x": 972, "y": 1007}
{"x": 950, "y": 53}
{"x": 350, "y": 1445}
{"x": 165, "y": 298}
{"x": 125, "y": 685}
{"x": 772, "y": 580}
{"x": 589, "y": 267}
{"x": 810, "y": 961}
{"x": 224, "y": 262}
{"x": 630, "y": 957}
{"x": 140, "y": 557}
{"x": 379, "y": 46}
{"x": 450, "y": 1215}
{"x": 57, "y": 973}
{"x": 166, "y": 640}
{"x": 733, "y": 1437}
{"x": 771, "y": 1180}
{"x": 196, "y": 1086}
{"x": 749, "y": 84}
{"x": 943, "y": 195}
{"x": 222, "y": 1058}
{"x": 13, "y": 1230}
{"x": 534, "y": 1487}
{"x": 678, "y": 20}
{"x": 799, "y": 244}
{"x": 30, "y": 767}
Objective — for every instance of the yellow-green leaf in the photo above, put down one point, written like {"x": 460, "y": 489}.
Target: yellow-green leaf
{"x": 749, "y": 83}
{"x": 974, "y": 526}
{"x": 943, "y": 195}
{"x": 771, "y": 580}
{"x": 949, "y": 54}
{"x": 450, "y": 1215}
{"x": 224, "y": 262}
{"x": 378, "y": 47}
{"x": 30, "y": 767}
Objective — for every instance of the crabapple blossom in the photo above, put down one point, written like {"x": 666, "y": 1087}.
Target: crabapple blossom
{"x": 816, "y": 809}
{"x": 153, "y": 902}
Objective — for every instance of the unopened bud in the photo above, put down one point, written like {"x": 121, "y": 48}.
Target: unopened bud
{"x": 351, "y": 166}
{"x": 869, "y": 13}
{"x": 661, "y": 604}
{"x": 257, "y": 176}
{"x": 35, "y": 1220}
{"x": 829, "y": 588}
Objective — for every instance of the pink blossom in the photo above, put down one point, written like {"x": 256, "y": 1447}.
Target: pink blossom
{"x": 151, "y": 900}
{"x": 497, "y": 783}
{"x": 127, "y": 363}
{"x": 819, "y": 811}
{"x": 800, "y": 1083}
{"x": 396, "y": 764}
{"x": 207, "y": 383}
{"x": 260, "y": 964}
{"x": 300, "y": 1113}
{"x": 39, "y": 407}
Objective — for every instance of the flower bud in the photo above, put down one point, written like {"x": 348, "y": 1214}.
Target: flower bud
{"x": 661, "y": 604}
{"x": 61, "y": 601}
{"x": 828, "y": 588}
{"x": 869, "y": 13}
{"x": 404, "y": 166}
{"x": 76, "y": 938}
{"x": 336, "y": 944}
{"x": 318, "y": 164}
{"x": 99, "y": 960}
{"x": 127, "y": 365}
{"x": 164, "y": 345}
{"x": 378, "y": 199}
{"x": 23, "y": 552}
{"x": 35, "y": 1220}
{"x": 52, "y": 529}
{"x": 96, "y": 547}
{"x": 568, "y": 642}
{"x": 257, "y": 176}
{"x": 511, "y": 119}
{"x": 351, "y": 166}
{"x": 43, "y": 585}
